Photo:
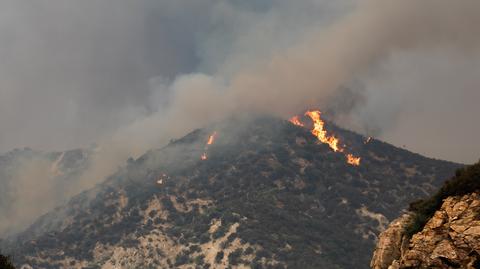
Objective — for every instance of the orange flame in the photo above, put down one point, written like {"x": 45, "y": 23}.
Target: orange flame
{"x": 353, "y": 160}
{"x": 296, "y": 121}
{"x": 320, "y": 132}
{"x": 211, "y": 140}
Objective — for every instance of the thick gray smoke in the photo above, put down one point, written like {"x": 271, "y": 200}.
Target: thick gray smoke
{"x": 131, "y": 75}
{"x": 382, "y": 45}
{"x": 73, "y": 71}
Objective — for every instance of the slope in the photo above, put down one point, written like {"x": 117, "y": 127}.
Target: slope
{"x": 269, "y": 195}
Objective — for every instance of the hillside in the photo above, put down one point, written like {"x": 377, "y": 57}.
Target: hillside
{"x": 35, "y": 182}
{"x": 267, "y": 195}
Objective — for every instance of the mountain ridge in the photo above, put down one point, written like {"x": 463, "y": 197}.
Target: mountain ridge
{"x": 268, "y": 196}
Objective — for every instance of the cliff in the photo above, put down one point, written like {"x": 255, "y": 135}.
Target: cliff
{"x": 450, "y": 239}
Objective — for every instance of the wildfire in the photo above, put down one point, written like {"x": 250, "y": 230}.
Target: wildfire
{"x": 296, "y": 121}
{"x": 353, "y": 160}
{"x": 211, "y": 140}
{"x": 321, "y": 133}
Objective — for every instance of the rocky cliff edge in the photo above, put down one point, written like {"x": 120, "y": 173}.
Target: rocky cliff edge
{"x": 450, "y": 239}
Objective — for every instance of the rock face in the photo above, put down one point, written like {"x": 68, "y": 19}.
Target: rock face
{"x": 450, "y": 239}
{"x": 391, "y": 243}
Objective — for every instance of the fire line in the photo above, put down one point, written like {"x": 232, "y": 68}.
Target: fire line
{"x": 211, "y": 140}
{"x": 321, "y": 134}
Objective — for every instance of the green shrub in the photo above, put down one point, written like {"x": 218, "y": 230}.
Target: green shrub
{"x": 182, "y": 258}
{"x": 6, "y": 262}
{"x": 199, "y": 260}
{"x": 219, "y": 256}
{"x": 235, "y": 257}
{"x": 465, "y": 181}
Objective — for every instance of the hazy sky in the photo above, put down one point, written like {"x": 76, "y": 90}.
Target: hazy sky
{"x": 77, "y": 72}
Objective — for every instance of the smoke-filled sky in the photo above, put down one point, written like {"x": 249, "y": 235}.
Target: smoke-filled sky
{"x": 73, "y": 73}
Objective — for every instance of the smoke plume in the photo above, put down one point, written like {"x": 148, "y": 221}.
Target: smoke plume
{"x": 310, "y": 72}
{"x": 131, "y": 75}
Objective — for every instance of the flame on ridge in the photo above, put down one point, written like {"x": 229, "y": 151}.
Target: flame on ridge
{"x": 321, "y": 134}
{"x": 211, "y": 140}
{"x": 353, "y": 160}
{"x": 295, "y": 120}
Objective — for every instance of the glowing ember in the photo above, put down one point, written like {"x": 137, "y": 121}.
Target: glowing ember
{"x": 320, "y": 132}
{"x": 353, "y": 160}
{"x": 211, "y": 140}
{"x": 296, "y": 121}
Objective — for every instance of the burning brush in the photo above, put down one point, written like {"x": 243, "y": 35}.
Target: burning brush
{"x": 211, "y": 140}
{"x": 321, "y": 133}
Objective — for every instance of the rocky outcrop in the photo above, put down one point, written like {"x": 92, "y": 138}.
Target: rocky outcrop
{"x": 391, "y": 243}
{"x": 450, "y": 239}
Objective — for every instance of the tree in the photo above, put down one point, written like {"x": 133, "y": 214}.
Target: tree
{"x": 219, "y": 256}
{"x": 6, "y": 262}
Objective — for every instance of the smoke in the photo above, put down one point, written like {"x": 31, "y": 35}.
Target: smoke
{"x": 34, "y": 182}
{"x": 354, "y": 47}
{"x": 32, "y": 200}
{"x": 309, "y": 73}
{"x": 131, "y": 75}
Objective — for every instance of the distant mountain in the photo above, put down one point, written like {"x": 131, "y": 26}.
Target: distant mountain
{"x": 34, "y": 181}
{"x": 269, "y": 194}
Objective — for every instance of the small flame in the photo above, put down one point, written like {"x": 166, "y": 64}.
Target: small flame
{"x": 296, "y": 121}
{"x": 353, "y": 160}
{"x": 368, "y": 140}
{"x": 211, "y": 140}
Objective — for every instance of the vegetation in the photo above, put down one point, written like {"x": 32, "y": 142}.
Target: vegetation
{"x": 6, "y": 262}
{"x": 219, "y": 256}
{"x": 294, "y": 201}
{"x": 465, "y": 181}
{"x": 235, "y": 257}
